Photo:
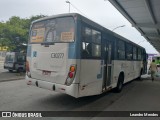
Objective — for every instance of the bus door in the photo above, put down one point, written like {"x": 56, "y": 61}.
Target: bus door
{"x": 107, "y": 63}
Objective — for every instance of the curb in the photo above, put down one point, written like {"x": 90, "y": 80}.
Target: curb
{"x": 13, "y": 79}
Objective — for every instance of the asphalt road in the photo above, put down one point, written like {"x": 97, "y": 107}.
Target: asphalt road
{"x": 6, "y": 76}
{"x": 135, "y": 96}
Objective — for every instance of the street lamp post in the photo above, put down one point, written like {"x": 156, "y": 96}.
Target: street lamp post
{"x": 118, "y": 27}
{"x": 69, "y": 5}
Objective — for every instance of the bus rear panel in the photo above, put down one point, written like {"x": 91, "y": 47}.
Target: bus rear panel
{"x": 50, "y": 63}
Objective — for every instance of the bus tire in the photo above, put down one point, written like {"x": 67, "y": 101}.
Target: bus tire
{"x": 120, "y": 83}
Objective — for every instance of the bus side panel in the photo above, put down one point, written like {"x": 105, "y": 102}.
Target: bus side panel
{"x": 90, "y": 77}
{"x": 131, "y": 70}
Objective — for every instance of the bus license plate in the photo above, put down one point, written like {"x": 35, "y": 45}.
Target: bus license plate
{"x": 44, "y": 72}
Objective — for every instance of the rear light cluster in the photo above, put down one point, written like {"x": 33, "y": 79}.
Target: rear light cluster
{"x": 28, "y": 69}
{"x": 71, "y": 75}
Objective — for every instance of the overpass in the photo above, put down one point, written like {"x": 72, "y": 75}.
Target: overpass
{"x": 144, "y": 15}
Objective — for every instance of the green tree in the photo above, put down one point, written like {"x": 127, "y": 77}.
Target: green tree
{"x": 14, "y": 33}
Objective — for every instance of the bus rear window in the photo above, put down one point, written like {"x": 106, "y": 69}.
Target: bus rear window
{"x": 53, "y": 30}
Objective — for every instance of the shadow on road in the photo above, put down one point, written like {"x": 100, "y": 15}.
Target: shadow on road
{"x": 65, "y": 102}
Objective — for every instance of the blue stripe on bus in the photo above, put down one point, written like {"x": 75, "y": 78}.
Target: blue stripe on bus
{"x": 72, "y": 51}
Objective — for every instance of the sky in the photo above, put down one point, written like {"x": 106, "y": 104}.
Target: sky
{"x": 100, "y": 11}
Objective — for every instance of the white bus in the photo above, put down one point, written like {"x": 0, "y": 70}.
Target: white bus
{"x": 71, "y": 54}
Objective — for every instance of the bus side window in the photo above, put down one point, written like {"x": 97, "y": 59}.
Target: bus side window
{"x": 86, "y": 40}
{"x": 121, "y": 50}
{"x": 129, "y": 51}
{"x": 96, "y": 43}
{"x": 91, "y": 43}
{"x": 139, "y": 54}
{"x": 85, "y": 50}
{"x": 134, "y": 53}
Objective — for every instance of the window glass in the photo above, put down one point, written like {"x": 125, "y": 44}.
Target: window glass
{"x": 91, "y": 45}
{"x": 121, "y": 50}
{"x": 87, "y": 31}
{"x": 96, "y": 50}
{"x": 129, "y": 51}
{"x": 86, "y": 50}
{"x": 87, "y": 34}
{"x": 53, "y": 30}
{"x": 134, "y": 53}
{"x": 139, "y": 54}
{"x": 96, "y": 37}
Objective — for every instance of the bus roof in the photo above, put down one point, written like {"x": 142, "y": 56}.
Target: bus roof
{"x": 55, "y": 16}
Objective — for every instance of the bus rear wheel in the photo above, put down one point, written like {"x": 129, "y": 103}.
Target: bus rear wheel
{"x": 120, "y": 83}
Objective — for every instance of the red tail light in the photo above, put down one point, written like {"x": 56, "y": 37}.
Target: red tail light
{"x": 71, "y": 75}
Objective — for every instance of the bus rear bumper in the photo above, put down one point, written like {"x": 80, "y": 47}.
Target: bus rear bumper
{"x": 70, "y": 90}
